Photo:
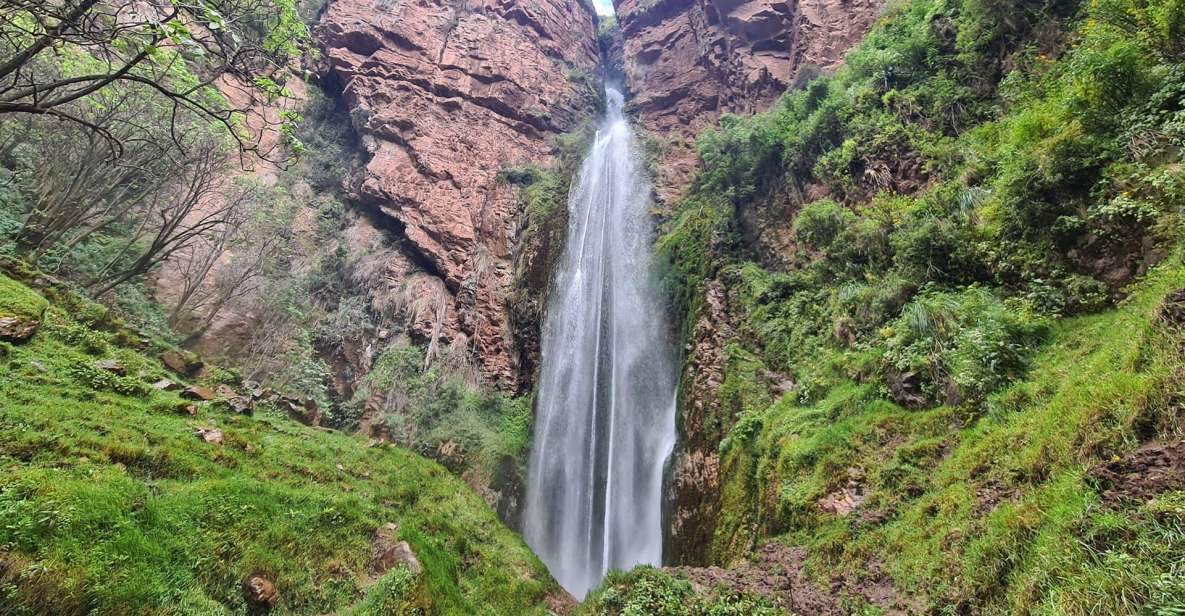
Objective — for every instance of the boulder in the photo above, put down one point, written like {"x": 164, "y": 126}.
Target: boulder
{"x": 186, "y": 408}
{"x": 197, "y": 392}
{"x": 260, "y": 593}
{"x": 180, "y": 363}
{"x": 167, "y": 385}
{"x": 389, "y": 552}
{"x": 114, "y": 366}
{"x": 212, "y": 436}
{"x": 17, "y": 329}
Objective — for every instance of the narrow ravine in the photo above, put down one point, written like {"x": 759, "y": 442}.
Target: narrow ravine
{"x": 605, "y": 416}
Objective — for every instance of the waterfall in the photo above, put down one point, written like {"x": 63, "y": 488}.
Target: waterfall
{"x": 605, "y": 416}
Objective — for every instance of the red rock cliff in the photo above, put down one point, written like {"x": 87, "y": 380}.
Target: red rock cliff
{"x": 444, "y": 96}
{"x": 689, "y": 61}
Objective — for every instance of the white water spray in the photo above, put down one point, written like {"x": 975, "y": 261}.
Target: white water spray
{"x": 605, "y": 422}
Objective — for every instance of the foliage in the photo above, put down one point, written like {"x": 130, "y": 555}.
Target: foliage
{"x": 431, "y": 408}
{"x": 959, "y": 219}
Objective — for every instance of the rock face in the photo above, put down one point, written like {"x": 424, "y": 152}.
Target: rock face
{"x": 695, "y": 479}
{"x": 686, "y": 62}
{"x": 444, "y": 96}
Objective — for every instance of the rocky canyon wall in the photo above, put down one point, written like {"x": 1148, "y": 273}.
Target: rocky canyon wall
{"x": 444, "y": 96}
{"x": 687, "y": 62}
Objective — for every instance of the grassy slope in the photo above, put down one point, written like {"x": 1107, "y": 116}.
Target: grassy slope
{"x": 110, "y": 504}
{"x": 988, "y": 509}
{"x": 982, "y": 165}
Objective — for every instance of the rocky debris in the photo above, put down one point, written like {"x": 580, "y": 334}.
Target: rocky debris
{"x": 690, "y": 61}
{"x": 197, "y": 392}
{"x": 18, "y": 330}
{"x": 777, "y": 572}
{"x": 243, "y": 405}
{"x": 180, "y": 363}
{"x": 1143, "y": 474}
{"x": 260, "y": 593}
{"x": 561, "y": 602}
{"x": 167, "y": 385}
{"x": 212, "y": 436}
{"x": 186, "y": 408}
{"x": 114, "y": 366}
{"x": 38, "y": 366}
{"x": 389, "y": 552}
{"x": 445, "y": 96}
{"x": 847, "y": 498}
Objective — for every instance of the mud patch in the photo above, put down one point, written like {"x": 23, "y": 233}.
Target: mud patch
{"x": 777, "y": 573}
{"x": 1149, "y": 471}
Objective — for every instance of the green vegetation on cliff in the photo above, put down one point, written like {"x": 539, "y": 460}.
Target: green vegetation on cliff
{"x": 113, "y": 502}
{"x": 951, "y": 332}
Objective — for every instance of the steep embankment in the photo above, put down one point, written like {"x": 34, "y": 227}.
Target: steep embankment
{"x": 933, "y": 318}
{"x": 119, "y": 495}
{"x": 446, "y": 97}
{"x": 689, "y": 63}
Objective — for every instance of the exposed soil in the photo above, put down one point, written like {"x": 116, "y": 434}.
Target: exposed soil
{"x": 1153, "y": 469}
{"x": 777, "y": 573}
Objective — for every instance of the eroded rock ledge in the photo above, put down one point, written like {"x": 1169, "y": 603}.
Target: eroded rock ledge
{"x": 444, "y": 95}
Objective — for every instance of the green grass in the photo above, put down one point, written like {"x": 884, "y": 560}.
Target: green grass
{"x": 110, "y": 504}
{"x": 987, "y": 508}
{"x": 18, "y": 300}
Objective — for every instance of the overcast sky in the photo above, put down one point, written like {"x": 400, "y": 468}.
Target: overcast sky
{"x": 604, "y": 7}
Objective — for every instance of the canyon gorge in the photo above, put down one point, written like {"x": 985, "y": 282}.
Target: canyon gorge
{"x": 592, "y": 307}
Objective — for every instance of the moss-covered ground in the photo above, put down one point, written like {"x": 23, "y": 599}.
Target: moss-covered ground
{"x": 110, "y": 503}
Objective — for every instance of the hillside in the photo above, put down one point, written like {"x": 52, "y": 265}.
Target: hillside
{"x": 931, "y": 319}
{"x": 118, "y": 499}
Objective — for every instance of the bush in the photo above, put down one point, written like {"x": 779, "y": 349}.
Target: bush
{"x": 970, "y": 341}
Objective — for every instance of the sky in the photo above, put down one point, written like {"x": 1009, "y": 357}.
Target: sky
{"x": 604, "y": 7}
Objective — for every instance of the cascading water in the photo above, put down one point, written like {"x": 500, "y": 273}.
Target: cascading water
{"x": 606, "y": 416}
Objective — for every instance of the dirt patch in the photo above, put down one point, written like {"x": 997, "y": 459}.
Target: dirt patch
{"x": 777, "y": 573}
{"x": 1151, "y": 470}
{"x": 991, "y": 494}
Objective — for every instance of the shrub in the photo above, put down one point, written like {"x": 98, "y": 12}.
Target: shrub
{"x": 970, "y": 340}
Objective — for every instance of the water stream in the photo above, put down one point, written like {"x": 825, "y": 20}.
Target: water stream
{"x": 605, "y": 417}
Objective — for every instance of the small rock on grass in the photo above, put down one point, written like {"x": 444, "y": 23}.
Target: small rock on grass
{"x": 166, "y": 385}
{"x": 197, "y": 392}
{"x": 17, "y": 329}
{"x": 114, "y": 366}
{"x": 212, "y": 436}
{"x": 260, "y": 593}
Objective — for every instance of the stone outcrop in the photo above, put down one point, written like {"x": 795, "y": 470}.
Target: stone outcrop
{"x": 695, "y": 477}
{"x": 687, "y": 62}
{"x": 444, "y": 96}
